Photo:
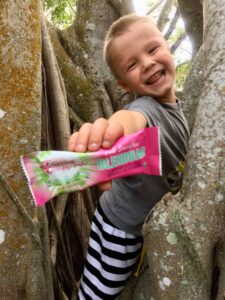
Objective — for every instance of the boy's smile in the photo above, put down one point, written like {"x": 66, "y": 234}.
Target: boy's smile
{"x": 143, "y": 62}
{"x": 155, "y": 77}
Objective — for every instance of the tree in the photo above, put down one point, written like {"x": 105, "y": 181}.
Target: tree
{"x": 186, "y": 259}
{"x": 189, "y": 228}
{"x": 25, "y": 268}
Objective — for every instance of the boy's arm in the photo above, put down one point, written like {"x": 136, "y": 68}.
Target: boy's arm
{"x": 131, "y": 121}
{"x": 103, "y": 133}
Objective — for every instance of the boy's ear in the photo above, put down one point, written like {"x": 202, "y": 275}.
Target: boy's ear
{"x": 123, "y": 85}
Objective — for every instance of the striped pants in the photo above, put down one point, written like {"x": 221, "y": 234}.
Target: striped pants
{"x": 111, "y": 258}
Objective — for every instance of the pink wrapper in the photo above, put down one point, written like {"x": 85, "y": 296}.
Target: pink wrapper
{"x": 50, "y": 173}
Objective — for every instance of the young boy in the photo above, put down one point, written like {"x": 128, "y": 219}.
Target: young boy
{"x": 139, "y": 57}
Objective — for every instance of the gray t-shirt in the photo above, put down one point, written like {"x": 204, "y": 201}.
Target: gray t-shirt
{"x": 129, "y": 201}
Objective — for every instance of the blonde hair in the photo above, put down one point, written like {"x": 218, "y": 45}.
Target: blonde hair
{"x": 118, "y": 28}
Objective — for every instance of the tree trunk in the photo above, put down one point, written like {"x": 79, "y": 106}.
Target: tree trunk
{"x": 25, "y": 270}
{"x": 193, "y": 87}
{"x": 192, "y": 14}
{"x": 184, "y": 235}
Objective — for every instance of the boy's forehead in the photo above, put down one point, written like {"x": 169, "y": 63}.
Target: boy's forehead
{"x": 145, "y": 30}
{"x": 139, "y": 29}
{"x": 147, "y": 25}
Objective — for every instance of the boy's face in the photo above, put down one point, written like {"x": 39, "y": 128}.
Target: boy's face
{"x": 143, "y": 62}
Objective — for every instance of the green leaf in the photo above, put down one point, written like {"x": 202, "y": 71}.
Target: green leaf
{"x": 60, "y": 12}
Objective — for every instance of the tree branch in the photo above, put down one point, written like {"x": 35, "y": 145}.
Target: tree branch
{"x": 123, "y": 7}
{"x": 57, "y": 101}
{"x": 172, "y": 24}
{"x": 21, "y": 208}
{"x": 178, "y": 42}
{"x": 75, "y": 118}
{"x": 192, "y": 14}
{"x": 68, "y": 266}
{"x": 155, "y": 7}
{"x": 60, "y": 117}
{"x": 89, "y": 203}
{"x": 163, "y": 17}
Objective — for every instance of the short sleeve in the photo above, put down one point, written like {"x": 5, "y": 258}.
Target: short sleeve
{"x": 148, "y": 107}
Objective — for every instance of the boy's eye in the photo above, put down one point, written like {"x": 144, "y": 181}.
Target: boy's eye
{"x": 153, "y": 49}
{"x": 131, "y": 66}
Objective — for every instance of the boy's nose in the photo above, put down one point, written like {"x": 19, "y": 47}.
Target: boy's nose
{"x": 147, "y": 62}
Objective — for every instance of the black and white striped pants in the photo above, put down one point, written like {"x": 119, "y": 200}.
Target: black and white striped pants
{"x": 111, "y": 258}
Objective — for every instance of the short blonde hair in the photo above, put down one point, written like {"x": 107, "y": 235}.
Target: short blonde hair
{"x": 118, "y": 28}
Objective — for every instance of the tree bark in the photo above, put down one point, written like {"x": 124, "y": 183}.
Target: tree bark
{"x": 57, "y": 99}
{"x": 123, "y": 7}
{"x": 25, "y": 269}
{"x": 163, "y": 17}
{"x": 192, "y": 14}
{"x": 193, "y": 87}
{"x": 184, "y": 235}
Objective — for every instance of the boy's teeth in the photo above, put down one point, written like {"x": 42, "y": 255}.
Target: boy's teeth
{"x": 154, "y": 77}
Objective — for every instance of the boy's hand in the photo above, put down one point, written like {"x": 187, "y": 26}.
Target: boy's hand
{"x": 101, "y": 134}
{"x": 90, "y": 137}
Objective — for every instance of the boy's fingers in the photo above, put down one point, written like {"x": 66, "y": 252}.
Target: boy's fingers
{"x": 79, "y": 140}
{"x": 72, "y": 141}
{"x": 97, "y": 133}
{"x": 112, "y": 133}
{"x": 90, "y": 137}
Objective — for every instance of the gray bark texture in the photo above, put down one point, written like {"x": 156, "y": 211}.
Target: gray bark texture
{"x": 192, "y": 14}
{"x": 184, "y": 235}
{"x": 25, "y": 269}
{"x": 193, "y": 87}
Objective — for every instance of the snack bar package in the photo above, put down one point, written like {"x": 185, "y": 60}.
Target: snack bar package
{"x": 50, "y": 173}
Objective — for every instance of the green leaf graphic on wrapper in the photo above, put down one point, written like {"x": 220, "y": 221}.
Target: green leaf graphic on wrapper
{"x": 41, "y": 175}
{"x": 56, "y": 186}
{"x": 77, "y": 182}
{"x": 43, "y": 154}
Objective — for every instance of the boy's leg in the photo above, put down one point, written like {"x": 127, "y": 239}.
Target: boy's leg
{"x": 112, "y": 255}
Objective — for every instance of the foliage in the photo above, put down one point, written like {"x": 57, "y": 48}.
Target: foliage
{"x": 182, "y": 72}
{"x": 60, "y": 12}
{"x": 176, "y": 33}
